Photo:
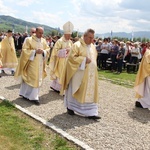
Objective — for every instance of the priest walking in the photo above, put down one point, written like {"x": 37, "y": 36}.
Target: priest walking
{"x": 142, "y": 83}
{"x": 80, "y": 78}
{"x": 32, "y": 66}
{"x": 59, "y": 54}
{"x": 9, "y": 59}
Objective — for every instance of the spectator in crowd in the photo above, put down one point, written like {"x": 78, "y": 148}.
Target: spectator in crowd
{"x": 98, "y": 48}
{"x": 135, "y": 55}
{"x": 75, "y": 39}
{"x": 25, "y": 35}
{"x": 105, "y": 49}
{"x": 55, "y": 39}
{"x": 113, "y": 54}
{"x": 127, "y": 54}
{"x": 18, "y": 42}
{"x": 119, "y": 58}
{"x": 51, "y": 45}
{"x": 2, "y": 35}
{"x": 144, "y": 47}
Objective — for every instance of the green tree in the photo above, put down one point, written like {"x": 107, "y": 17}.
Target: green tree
{"x": 74, "y": 34}
{"x": 54, "y": 32}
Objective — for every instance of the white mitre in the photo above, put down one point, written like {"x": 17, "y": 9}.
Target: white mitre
{"x": 68, "y": 27}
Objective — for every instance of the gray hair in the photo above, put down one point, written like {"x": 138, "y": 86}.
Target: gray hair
{"x": 88, "y": 31}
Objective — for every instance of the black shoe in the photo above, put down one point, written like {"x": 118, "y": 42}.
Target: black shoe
{"x": 36, "y": 102}
{"x": 138, "y": 104}
{"x": 12, "y": 72}
{"x": 55, "y": 90}
{"x": 94, "y": 117}
{"x": 70, "y": 112}
{"x": 3, "y": 71}
{"x": 24, "y": 97}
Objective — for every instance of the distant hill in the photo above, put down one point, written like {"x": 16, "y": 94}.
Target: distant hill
{"x": 8, "y": 22}
{"x": 138, "y": 34}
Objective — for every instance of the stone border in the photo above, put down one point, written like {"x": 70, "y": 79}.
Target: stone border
{"x": 118, "y": 81}
{"x": 53, "y": 127}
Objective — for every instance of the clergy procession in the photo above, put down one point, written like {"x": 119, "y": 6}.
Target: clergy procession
{"x": 72, "y": 67}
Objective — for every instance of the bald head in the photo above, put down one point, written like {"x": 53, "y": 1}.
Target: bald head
{"x": 39, "y": 32}
{"x": 32, "y": 31}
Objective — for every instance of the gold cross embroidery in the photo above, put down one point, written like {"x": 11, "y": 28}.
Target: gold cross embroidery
{"x": 89, "y": 94}
{"x": 91, "y": 75}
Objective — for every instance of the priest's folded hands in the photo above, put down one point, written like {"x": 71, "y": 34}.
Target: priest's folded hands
{"x": 39, "y": 51}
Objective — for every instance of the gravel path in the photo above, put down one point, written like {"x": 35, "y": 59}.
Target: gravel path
{"x": 122, "y": 127}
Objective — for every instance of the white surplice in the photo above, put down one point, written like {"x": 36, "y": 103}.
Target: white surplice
{"x": 145, "y": 100}
{"x": 89, "y": 108}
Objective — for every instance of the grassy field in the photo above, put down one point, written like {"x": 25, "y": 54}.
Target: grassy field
{"x": 20, "y": 132}
{"x": 126, "y": 79}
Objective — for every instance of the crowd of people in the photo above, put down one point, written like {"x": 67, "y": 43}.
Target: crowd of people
{"x": 73, "y": 65}
{"x": 118, "y": 52}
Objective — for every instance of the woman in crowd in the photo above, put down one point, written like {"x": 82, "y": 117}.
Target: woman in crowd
{"x": 105, "y": 48}
{"x": 119, "y": 57}
{"x": 113, "y": 54}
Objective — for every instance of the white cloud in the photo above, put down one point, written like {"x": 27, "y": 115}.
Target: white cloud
{"x": 142, "y": 5}
{"x": 27, "y": 3}
{"x": 117, "y": 15}
{"x": 103, "y": 16}
{"x": 6, "y": 9}
{"x": 52, "y": 20}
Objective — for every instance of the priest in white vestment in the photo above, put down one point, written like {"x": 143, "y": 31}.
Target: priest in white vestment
{"x": 142, "y": 83}
{"x": 32, "y": 65}
{"x": 80, "y": 78}
{"x": 59, "y": 55}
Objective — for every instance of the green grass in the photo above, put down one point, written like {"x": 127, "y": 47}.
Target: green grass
{"x": 20, "y": 132}
{"x": 126, "y": 79}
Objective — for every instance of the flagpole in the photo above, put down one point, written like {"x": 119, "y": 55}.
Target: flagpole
{"x": 13, "y": 30}
{"x": 26, "y": 29}
{"x": 132, "y": 36}
{"x": 111, "y": 33}
{"x": 77, "y": 32}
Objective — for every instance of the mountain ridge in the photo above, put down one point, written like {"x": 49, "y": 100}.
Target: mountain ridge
{"x": 137, "y": 34}
{"x": 19, "y": 25}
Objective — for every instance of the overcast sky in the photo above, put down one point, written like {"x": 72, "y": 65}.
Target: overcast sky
{"x": 101, "y": 15}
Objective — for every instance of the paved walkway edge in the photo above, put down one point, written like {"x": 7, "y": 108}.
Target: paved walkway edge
{"x": 53, "y": 127}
